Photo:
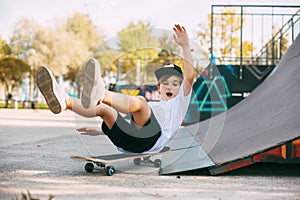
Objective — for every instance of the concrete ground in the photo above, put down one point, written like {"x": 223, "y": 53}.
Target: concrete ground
{"x": 35, "y": 150}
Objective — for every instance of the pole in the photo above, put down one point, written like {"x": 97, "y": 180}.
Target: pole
{"x": 31, "y": 84}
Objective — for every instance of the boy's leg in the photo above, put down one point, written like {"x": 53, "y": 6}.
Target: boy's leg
{"x": 136, "y": 105}
{"x": 94, "y": 85}
{"x": 107, "y": 113}
{"x": 58, "y": 100}
{"x": 55, "y": 96}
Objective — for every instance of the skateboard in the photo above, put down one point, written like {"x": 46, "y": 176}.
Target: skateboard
{"x": 101, "y": 162}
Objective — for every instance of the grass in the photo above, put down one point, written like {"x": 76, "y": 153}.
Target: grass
{"x": 11, "y": 105}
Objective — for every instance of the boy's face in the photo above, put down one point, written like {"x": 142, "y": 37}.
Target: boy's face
{"x": 169, "y": 88}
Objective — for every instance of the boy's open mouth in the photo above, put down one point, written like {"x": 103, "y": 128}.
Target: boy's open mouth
{"x": 169, "y": 94}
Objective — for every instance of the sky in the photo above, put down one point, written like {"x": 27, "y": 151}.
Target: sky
{"x": 110, "y": 16}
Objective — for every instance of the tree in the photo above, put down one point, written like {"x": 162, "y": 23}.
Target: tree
{"x": 63, "y": 48}
{"x": 226, "y": 36}
{"x": 138, "y": 47}
{"x": 80, "y": 38}
{"x": 4, "y": 48}
{"x": 83, "y": 37}
{"x": 84, "y": 30}
{"x": 27, "y": 44}
{"x": 275, "y": 48}
{"x": 136, "y": 42}
{"x": 169, "y": 48}
{"x": 12, "y": 72}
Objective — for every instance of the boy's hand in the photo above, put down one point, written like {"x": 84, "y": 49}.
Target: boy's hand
{"x": 89, "y": 131}
{"x": 180, "y": 36}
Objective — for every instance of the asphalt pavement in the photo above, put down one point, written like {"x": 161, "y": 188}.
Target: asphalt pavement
{"x": 35, "y": 151}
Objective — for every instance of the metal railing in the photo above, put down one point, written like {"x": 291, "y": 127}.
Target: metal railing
{"x": 271, "y": 51}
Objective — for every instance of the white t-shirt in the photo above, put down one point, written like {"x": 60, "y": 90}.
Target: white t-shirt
{"x": 170, "y": 115}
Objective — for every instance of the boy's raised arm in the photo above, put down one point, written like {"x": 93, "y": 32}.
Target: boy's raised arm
{"x": 181, "y": 38}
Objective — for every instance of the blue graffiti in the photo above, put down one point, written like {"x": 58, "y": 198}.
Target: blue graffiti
{"x": 214, "y": 99}
{"x": 232, "y": 70}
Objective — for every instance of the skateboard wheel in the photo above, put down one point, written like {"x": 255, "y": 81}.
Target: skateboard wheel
{"x": 89, "y": 167}
{"x": 137, "y": 161}
{"x": 109, "y": 170}
{"x": 157, "y": 163}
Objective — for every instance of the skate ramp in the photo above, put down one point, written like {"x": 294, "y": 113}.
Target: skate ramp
{"x": 269, "y": 117}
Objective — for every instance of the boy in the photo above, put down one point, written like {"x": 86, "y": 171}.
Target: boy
{"x": 153, "y": 124}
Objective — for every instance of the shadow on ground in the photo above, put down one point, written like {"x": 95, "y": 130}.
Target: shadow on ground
{"x": 258, "y": 169}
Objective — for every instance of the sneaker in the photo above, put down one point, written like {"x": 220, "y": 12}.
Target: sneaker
{"x": 54, "y": 95}
{"x": 93, "y": 85}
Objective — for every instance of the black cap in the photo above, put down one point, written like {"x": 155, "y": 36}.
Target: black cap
{"x": 168, "y": 70}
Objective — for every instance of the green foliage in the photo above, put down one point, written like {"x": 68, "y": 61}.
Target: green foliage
{"x": 63, "y": 49}
{"x": 4, "y": 48}
{"x": 136, "y": 43}
{"x": 84, "y": 30}
{"x": 12, "y": 71}
{"x": 138, "y": 47}
{"x": 169, "y": 48}
{"x": 226, "y": 34}
{"x": 142, "y": 50}
{"x": 67, "y": 45}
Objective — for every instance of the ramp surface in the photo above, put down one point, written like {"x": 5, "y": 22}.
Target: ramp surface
{"x": 270, "y": 116}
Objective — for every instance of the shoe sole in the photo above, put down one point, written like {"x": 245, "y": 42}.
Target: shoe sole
{"x": 89, "y": 82}
{"x": 45, "y": 84}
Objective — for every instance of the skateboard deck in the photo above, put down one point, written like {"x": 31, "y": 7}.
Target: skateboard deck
{"x": 97, "y": 162}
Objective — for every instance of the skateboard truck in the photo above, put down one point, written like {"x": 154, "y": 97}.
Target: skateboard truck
{"x": 145, "y": 160}
{"x": 90, "y": 166}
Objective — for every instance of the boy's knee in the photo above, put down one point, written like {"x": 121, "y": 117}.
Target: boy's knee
{"x": 140, "y": 102}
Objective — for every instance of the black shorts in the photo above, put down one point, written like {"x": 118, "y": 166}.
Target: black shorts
{"x": 126, "y": 135}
